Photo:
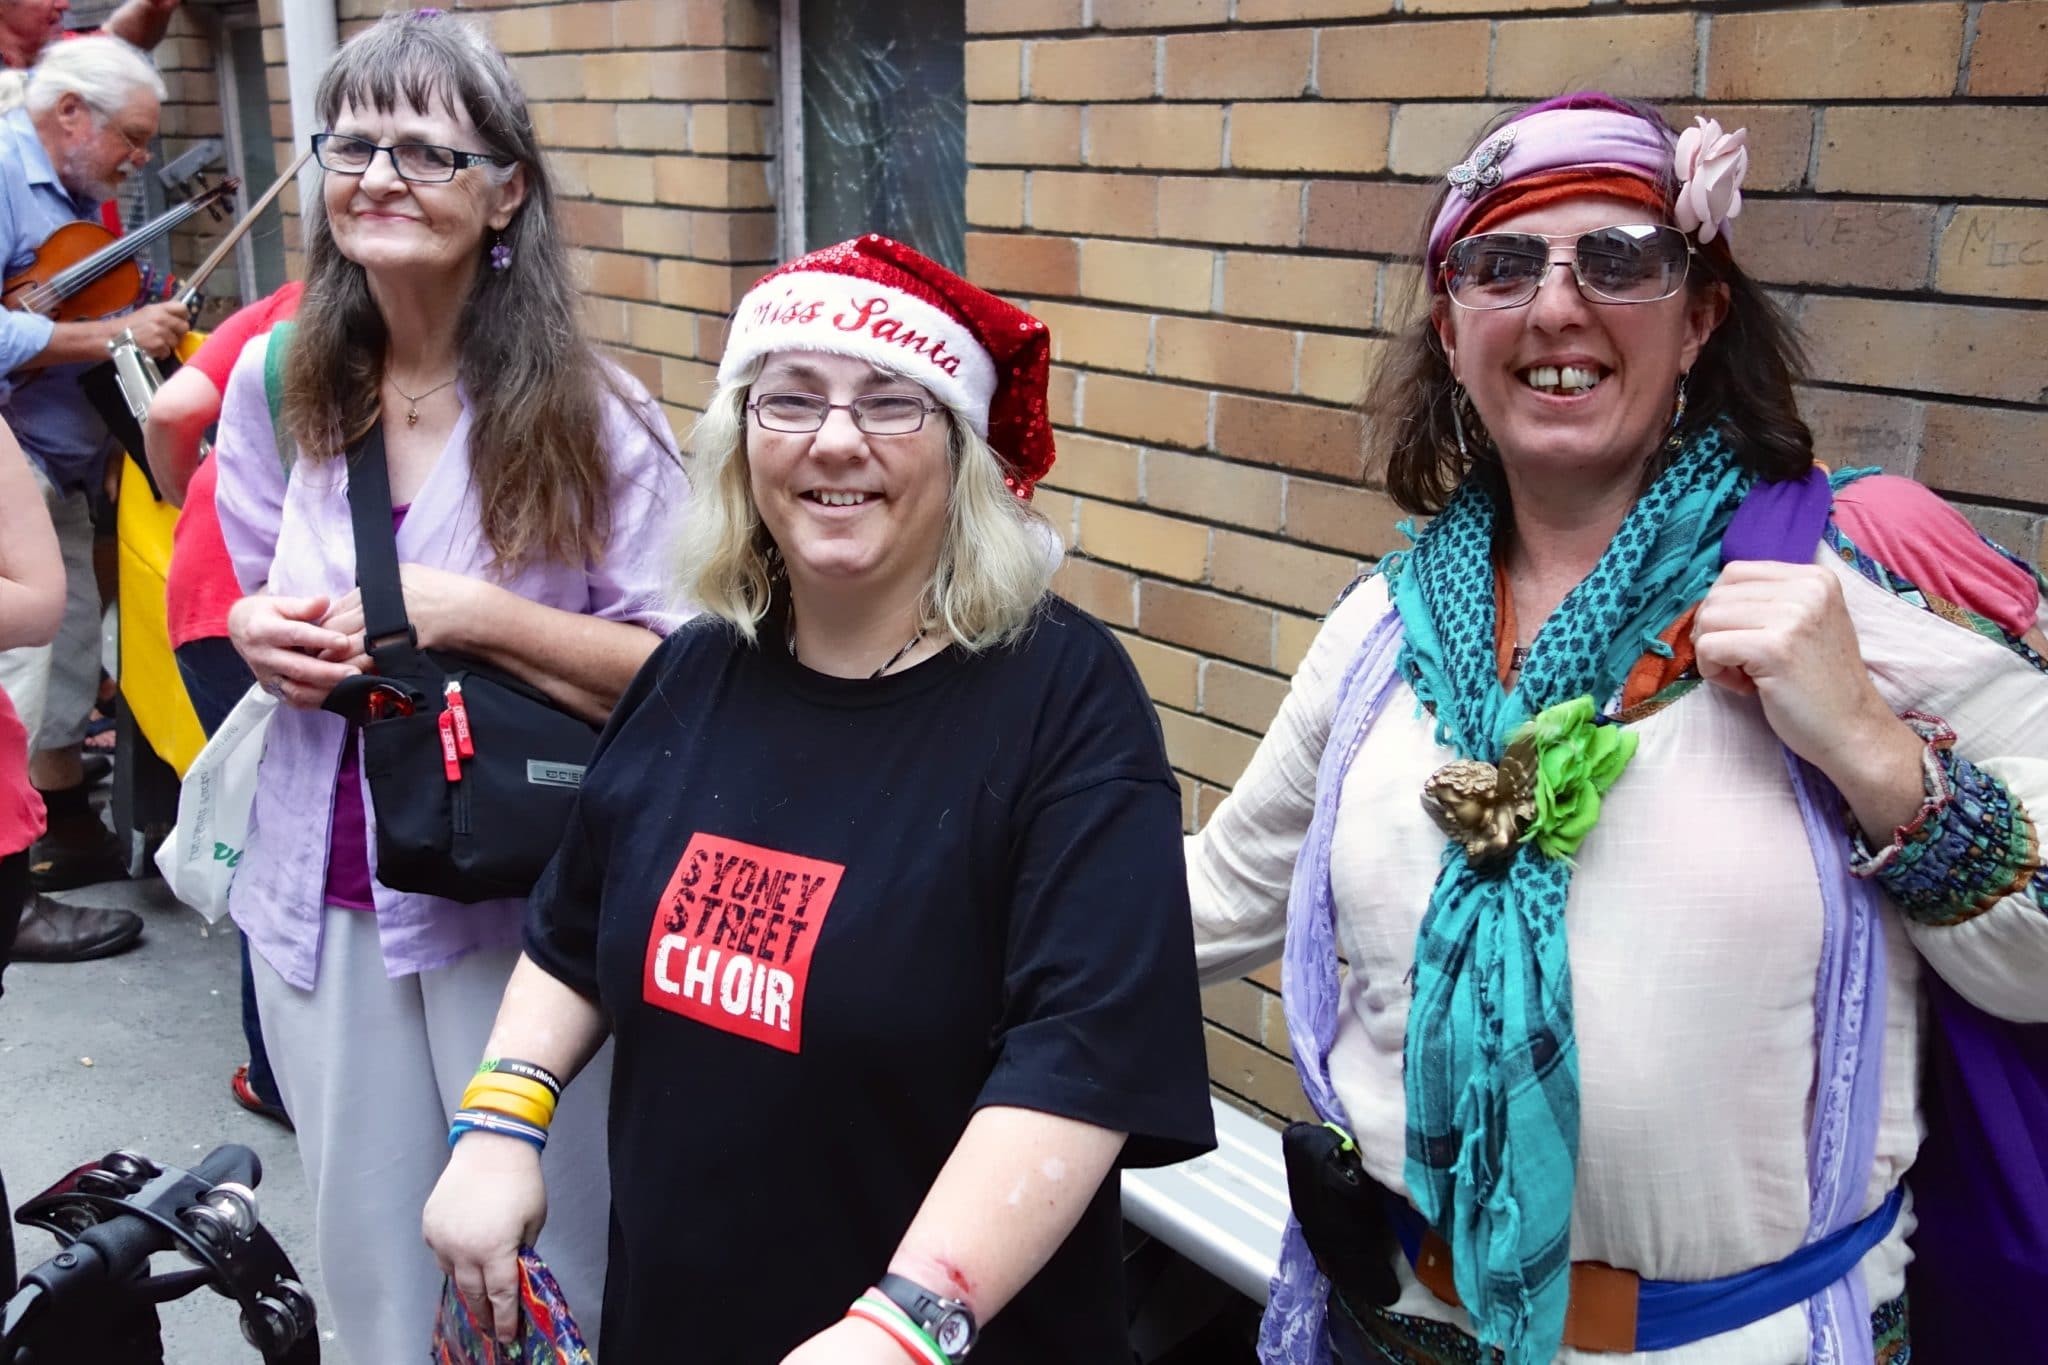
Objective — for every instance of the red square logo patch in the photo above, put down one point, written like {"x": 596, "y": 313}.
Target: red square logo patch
{"x": 732, "y": 938}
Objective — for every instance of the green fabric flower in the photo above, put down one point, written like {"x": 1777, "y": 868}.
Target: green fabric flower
{"x": 1577, "y": 760}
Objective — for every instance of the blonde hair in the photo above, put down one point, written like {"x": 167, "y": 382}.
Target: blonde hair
{"x": 996, "y": 558}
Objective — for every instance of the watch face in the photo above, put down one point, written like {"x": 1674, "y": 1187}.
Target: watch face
{"x": 954, "y": 1332}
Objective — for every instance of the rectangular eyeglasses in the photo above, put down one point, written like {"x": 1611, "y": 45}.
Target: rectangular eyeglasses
{"x": 419, "y": 163}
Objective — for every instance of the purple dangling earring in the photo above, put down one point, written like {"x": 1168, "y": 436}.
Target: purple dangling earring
{"x": 501, "y": 254}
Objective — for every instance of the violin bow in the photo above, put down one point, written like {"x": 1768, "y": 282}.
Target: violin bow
{"x": 198, "y": 278}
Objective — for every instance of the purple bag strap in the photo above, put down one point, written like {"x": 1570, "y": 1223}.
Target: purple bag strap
{"x": 1784, "y": 522}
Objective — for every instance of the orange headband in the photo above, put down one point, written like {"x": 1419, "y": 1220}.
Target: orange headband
{"x": 1551, "y": 187}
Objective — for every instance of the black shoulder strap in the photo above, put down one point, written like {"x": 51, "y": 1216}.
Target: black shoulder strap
{"x": 388, "y": 632}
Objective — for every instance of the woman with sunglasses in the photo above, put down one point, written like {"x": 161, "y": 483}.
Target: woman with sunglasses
{"x": 1644, "y": 796}
{"x": 865, "y": 884}
{"x": 527, "y": 480}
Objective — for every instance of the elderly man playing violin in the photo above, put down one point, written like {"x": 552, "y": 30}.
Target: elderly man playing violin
{"x": 90, "y": 112}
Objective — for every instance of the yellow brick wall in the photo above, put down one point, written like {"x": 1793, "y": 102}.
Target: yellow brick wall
{"x": 1209, "y": 200}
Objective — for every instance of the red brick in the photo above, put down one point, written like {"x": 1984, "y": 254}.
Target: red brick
{"x": 2010, "y": 56}
{"x": 1314, "y": 440}
{"x": 1099, "y": 338}
{"x": 1165, "y": 414}
{"x": 995, "y": 70}
{"x": 1158, "y": 136}
{"x": 1314, "y": 135}
{"x": 1380, "y": 218}
{"x": 1404, "y": 61}
{"x": 1092, "y": 68}
{"x": 1210, "y": 751}
{"x": 1985, "y": 452}
{"x": 1868, "y": 52}
{"x": 1016, "y": 263}
{"x": 1969, "y": 151}
{"x": 1091, "y": 465}
{"x": 1996, "y": 252}
{"x": 1244, "y": 698}
{"x": 1007, "y": 16}
{"x": 1999, "y": 353}
{"x": 1023, "y": 134}
{"x": 1239, "y": 212}
{"x": 1225, "y": 353}
{"x": 1275, "y": 571}
{"x": 1851, "y": 428}
{"x": 1206, "y": 621}
{"x": 1288, "y": 287}
{"x": 1240, "y": 64}
{"x": 1159, "y": 13}
{"x": 1173, "y": 277}
{"x": 1360, "y": 521}
{"x": 1108, "y": 593}
{"x": 1212, "y": 489}
{"x": 1836, "y": 242}
{"x": 1647, "y": 55}
{"x": 1115, "y": 205}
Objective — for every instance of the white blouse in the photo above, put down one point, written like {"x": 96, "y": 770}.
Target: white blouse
{"x": 1695, "y": 927}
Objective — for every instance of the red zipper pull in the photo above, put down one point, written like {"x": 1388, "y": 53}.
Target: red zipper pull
{"x": 459, "y": 709}
{"x": 451, "y": 756}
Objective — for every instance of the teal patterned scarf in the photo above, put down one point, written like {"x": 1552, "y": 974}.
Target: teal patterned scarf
{"x": 1492, "y": 1074}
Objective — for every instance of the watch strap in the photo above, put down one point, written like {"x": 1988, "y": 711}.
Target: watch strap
{"x": 928, "y": 1310}
{"x": 875, "y": 1308}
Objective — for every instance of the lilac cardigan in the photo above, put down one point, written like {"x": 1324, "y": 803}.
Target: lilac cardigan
{"x": 292, "y": 537}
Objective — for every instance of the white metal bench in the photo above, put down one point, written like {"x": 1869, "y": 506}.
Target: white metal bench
{"x": 1224, "y": 1210}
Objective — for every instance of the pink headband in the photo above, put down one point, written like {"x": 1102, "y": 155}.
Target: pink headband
{"x": 1549, "y": 140}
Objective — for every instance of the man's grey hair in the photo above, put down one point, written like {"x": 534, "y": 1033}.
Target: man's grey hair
{"x": 103, "y": 71}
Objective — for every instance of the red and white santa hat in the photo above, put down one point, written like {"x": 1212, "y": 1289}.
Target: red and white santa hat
{"x": 882, "y": 302}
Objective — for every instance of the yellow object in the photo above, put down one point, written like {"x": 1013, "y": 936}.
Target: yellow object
{"x": 497, "y": 1092}
{"x": 150, "y": 682}
{"x": 511, "y": 1106}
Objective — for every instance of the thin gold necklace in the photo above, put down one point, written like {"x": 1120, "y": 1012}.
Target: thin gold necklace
{"x": 412, "y": 414}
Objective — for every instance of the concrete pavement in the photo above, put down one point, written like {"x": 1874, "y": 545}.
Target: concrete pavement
{"x": 161, "y": 1027}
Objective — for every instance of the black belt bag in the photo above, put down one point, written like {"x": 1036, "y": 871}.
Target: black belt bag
{"x": 1342, "y": 1212}
{"x": 472, "y": 772}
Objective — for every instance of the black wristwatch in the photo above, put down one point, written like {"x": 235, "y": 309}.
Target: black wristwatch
{"x": 948, "y": 1322}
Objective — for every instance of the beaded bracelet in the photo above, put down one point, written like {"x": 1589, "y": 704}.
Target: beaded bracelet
{"x": 877, "y": 1308}
{"x": 484, "y": 1121}
{"x": 1971, "y": 846}
{"x": 1936, "y": 756}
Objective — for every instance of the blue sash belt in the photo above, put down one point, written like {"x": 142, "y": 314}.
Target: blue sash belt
{"x": 1672, "y": 1313}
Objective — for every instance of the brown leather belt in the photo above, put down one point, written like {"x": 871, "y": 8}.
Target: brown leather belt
{"x": 1601, "y": 1314}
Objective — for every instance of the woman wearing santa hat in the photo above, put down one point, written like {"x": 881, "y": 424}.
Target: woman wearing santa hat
{"x": 873, "y": 882}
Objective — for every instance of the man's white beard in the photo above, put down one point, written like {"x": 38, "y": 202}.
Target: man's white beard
{"x": 85, "y": 184}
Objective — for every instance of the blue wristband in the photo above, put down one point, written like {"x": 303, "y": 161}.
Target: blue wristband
{"x": 485, "y": 1121}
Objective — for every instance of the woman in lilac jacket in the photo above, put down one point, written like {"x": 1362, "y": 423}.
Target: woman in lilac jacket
{"x": 528, "y": 482}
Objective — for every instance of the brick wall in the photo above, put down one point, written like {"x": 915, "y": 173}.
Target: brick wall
{"x": 1208, "y": 200}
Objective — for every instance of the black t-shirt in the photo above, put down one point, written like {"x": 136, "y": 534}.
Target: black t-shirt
{"x": 830, "y": 919}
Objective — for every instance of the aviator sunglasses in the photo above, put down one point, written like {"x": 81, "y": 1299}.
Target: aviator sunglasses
{"x": 1630, "y": 263}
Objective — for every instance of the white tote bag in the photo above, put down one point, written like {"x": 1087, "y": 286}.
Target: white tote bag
{"x": 199, "y": 855}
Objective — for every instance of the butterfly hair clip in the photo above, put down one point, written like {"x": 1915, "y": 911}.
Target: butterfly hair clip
{"x": 1481, "y": 171}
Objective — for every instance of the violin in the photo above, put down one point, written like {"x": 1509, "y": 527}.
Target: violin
{"x": 82, "y": 272}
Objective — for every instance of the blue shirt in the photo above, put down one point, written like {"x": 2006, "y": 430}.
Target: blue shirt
{"x": 50, "y": 416}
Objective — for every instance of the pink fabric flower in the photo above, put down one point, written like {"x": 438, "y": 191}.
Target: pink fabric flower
{"x": 1710, "y": 165}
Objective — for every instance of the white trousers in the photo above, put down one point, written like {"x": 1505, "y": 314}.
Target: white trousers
{"x": 371, "y": 1069}
{"x": 53, "y": 687}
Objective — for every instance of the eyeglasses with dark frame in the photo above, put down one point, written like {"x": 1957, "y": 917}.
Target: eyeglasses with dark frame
{"x": 1626, "y": 263}
{"x": 877, "y": 414}
{"x": 416, "y": 163}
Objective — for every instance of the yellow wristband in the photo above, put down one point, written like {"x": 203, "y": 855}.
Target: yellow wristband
{"x": 512, "y": 1106}
{"x": 526, "y": 1091}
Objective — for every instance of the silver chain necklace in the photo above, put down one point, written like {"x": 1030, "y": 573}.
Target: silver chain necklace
{"x": 789, "y": 639}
